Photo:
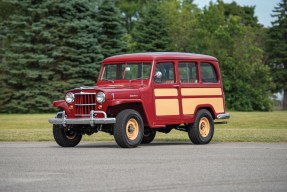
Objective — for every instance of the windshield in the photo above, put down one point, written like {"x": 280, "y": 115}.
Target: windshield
{"x": 126, "y": 71}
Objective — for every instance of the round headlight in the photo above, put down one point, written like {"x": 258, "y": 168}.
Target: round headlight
{"x": 70, "y": 97}
{"x": 101, "y": 97}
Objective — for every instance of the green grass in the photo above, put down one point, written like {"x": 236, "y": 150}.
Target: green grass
{"x": 242, "y": 127}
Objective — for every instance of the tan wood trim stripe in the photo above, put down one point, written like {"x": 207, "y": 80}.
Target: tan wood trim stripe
{"x": 167, "y": 107}
{"x": 189, "y": 104}
{"x": 165, "y": 92}
{"x": 200, "y": 91}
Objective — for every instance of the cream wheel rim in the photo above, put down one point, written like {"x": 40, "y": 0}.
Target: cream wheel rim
{"x": 132, "y": 129}
{"x": 204, "y": 127}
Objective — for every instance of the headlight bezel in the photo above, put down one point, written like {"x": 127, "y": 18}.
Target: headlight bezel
{"x": 69, "y": 97}
{"x": 101, "y": 97}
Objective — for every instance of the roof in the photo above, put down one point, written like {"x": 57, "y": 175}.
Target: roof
{"x": 157, "y": 56}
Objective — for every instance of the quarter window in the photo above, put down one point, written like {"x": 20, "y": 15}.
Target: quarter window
{"x": 208, "y": 73}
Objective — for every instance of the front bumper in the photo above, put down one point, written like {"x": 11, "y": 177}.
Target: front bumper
{"x": 63, "y": 120}
{"x": 223, "y": 116}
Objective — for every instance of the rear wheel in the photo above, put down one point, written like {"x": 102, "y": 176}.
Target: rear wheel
{"x": 128, "y": 130}
{"x": 201, "y": 131}
{"x": 148, "y": 136}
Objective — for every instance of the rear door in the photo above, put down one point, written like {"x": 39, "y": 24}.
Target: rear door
{"x": 200, "y": 87}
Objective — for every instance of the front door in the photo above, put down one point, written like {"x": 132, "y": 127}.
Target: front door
{"x": 166, "y": 93}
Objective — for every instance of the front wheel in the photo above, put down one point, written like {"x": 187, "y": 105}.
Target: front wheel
{"x": 128, "y": 130}
{"x": 201, "y": 131}
{"x": 65, "y": 137}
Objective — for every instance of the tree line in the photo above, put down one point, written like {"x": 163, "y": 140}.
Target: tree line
{"x": 47, "y": 47}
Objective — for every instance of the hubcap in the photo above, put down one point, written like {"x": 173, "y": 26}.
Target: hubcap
{"x": 204, "y": 127}
{"x": 70, "y": 135}
{"x": 132, "y": 129}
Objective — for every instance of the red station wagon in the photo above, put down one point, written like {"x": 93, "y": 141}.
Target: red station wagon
{"x": 137, "y": 95}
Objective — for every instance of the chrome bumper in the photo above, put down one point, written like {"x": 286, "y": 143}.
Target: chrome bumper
{"x": 82, "y": 121}
{"x": 223, "y": 116}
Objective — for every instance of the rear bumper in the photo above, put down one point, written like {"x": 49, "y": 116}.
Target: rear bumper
{"x": 223, "y": 116}
{"x": 82, "y": 121}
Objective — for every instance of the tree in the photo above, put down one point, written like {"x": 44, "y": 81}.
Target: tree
{"x": 112, "y": 33}
{"x": 150, "y": 33}
{"x": 237, "y": 45}
{"x": 277, "y": 49}
{"x": 245, "y": 13}
{"x": 182, "y": 18}
{"x": 131, "y": 11}
{"x": 53, "y": 48}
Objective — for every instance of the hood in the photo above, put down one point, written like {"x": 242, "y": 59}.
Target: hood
{"x": 112, "y": 92}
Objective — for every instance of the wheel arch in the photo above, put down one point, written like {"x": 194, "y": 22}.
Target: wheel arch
{"x": 206, "y": 107}
{"x": 137, "y": 106}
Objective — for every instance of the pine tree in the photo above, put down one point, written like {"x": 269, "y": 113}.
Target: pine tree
{"x": 277, "y": 48}
{"x": 53, "y": 47}
{"x": 151, "y": 33}
{"x": 130, "y": 10}
{"x": 112, "y": 33}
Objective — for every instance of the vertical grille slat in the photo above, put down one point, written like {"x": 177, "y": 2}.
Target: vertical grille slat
{"x": 84, "y": 103}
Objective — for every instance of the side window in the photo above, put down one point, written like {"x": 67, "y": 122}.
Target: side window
{"x": 164, "y": 73}
{"x": 208, "y": 73}
{"x": 188, "y": 72}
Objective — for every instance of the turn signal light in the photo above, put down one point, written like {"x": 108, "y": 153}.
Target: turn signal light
{"x": 71, "y": 107}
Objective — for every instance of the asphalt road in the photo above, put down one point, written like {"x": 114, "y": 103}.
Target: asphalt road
{"x": 102, "y": 166}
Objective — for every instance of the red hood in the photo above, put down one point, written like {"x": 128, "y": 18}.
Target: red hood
{"x": 112, "y": 92}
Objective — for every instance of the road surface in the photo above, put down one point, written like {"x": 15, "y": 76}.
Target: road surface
{"x": 103, "y": 166}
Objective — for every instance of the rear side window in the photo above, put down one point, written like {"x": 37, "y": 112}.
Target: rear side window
{"x": 188, "y": 72}
{"x": 208, "y": 73}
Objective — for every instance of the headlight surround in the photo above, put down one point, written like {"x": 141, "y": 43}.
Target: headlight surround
{"x": 100, "y": 97}
{"x": 70, "y": 97}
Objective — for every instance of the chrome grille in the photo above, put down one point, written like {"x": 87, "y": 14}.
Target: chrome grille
{"x": 84, "y": 103}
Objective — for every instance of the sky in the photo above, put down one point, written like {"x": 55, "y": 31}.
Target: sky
{"x": 263, "y": 9}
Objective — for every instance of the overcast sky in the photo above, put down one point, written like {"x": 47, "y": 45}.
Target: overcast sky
{"x": 263, "y": 9}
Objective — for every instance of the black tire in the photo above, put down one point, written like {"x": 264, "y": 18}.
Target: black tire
{"x": 148, "y": 136}
{"x": 64, "y": 137}
{"x": 201, "y": 131}
{"x": 128, "y": 129}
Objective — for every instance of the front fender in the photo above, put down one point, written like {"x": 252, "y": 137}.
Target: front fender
{"x": 62, "y": 104}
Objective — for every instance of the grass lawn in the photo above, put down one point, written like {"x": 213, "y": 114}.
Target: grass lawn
{"x": 242, "y": 127}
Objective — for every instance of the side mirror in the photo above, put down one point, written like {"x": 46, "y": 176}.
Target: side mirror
{"x": 158, "y": 75}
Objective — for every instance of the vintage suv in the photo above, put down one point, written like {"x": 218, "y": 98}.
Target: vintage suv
{"x": 139, "y": 94}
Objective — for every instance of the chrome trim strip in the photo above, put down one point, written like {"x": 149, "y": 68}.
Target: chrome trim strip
{"x": 85, "y": 104}
{"x": 86, "y": 87}
{"x": 84, "y": 93}
{"x": 223, "y": 116}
